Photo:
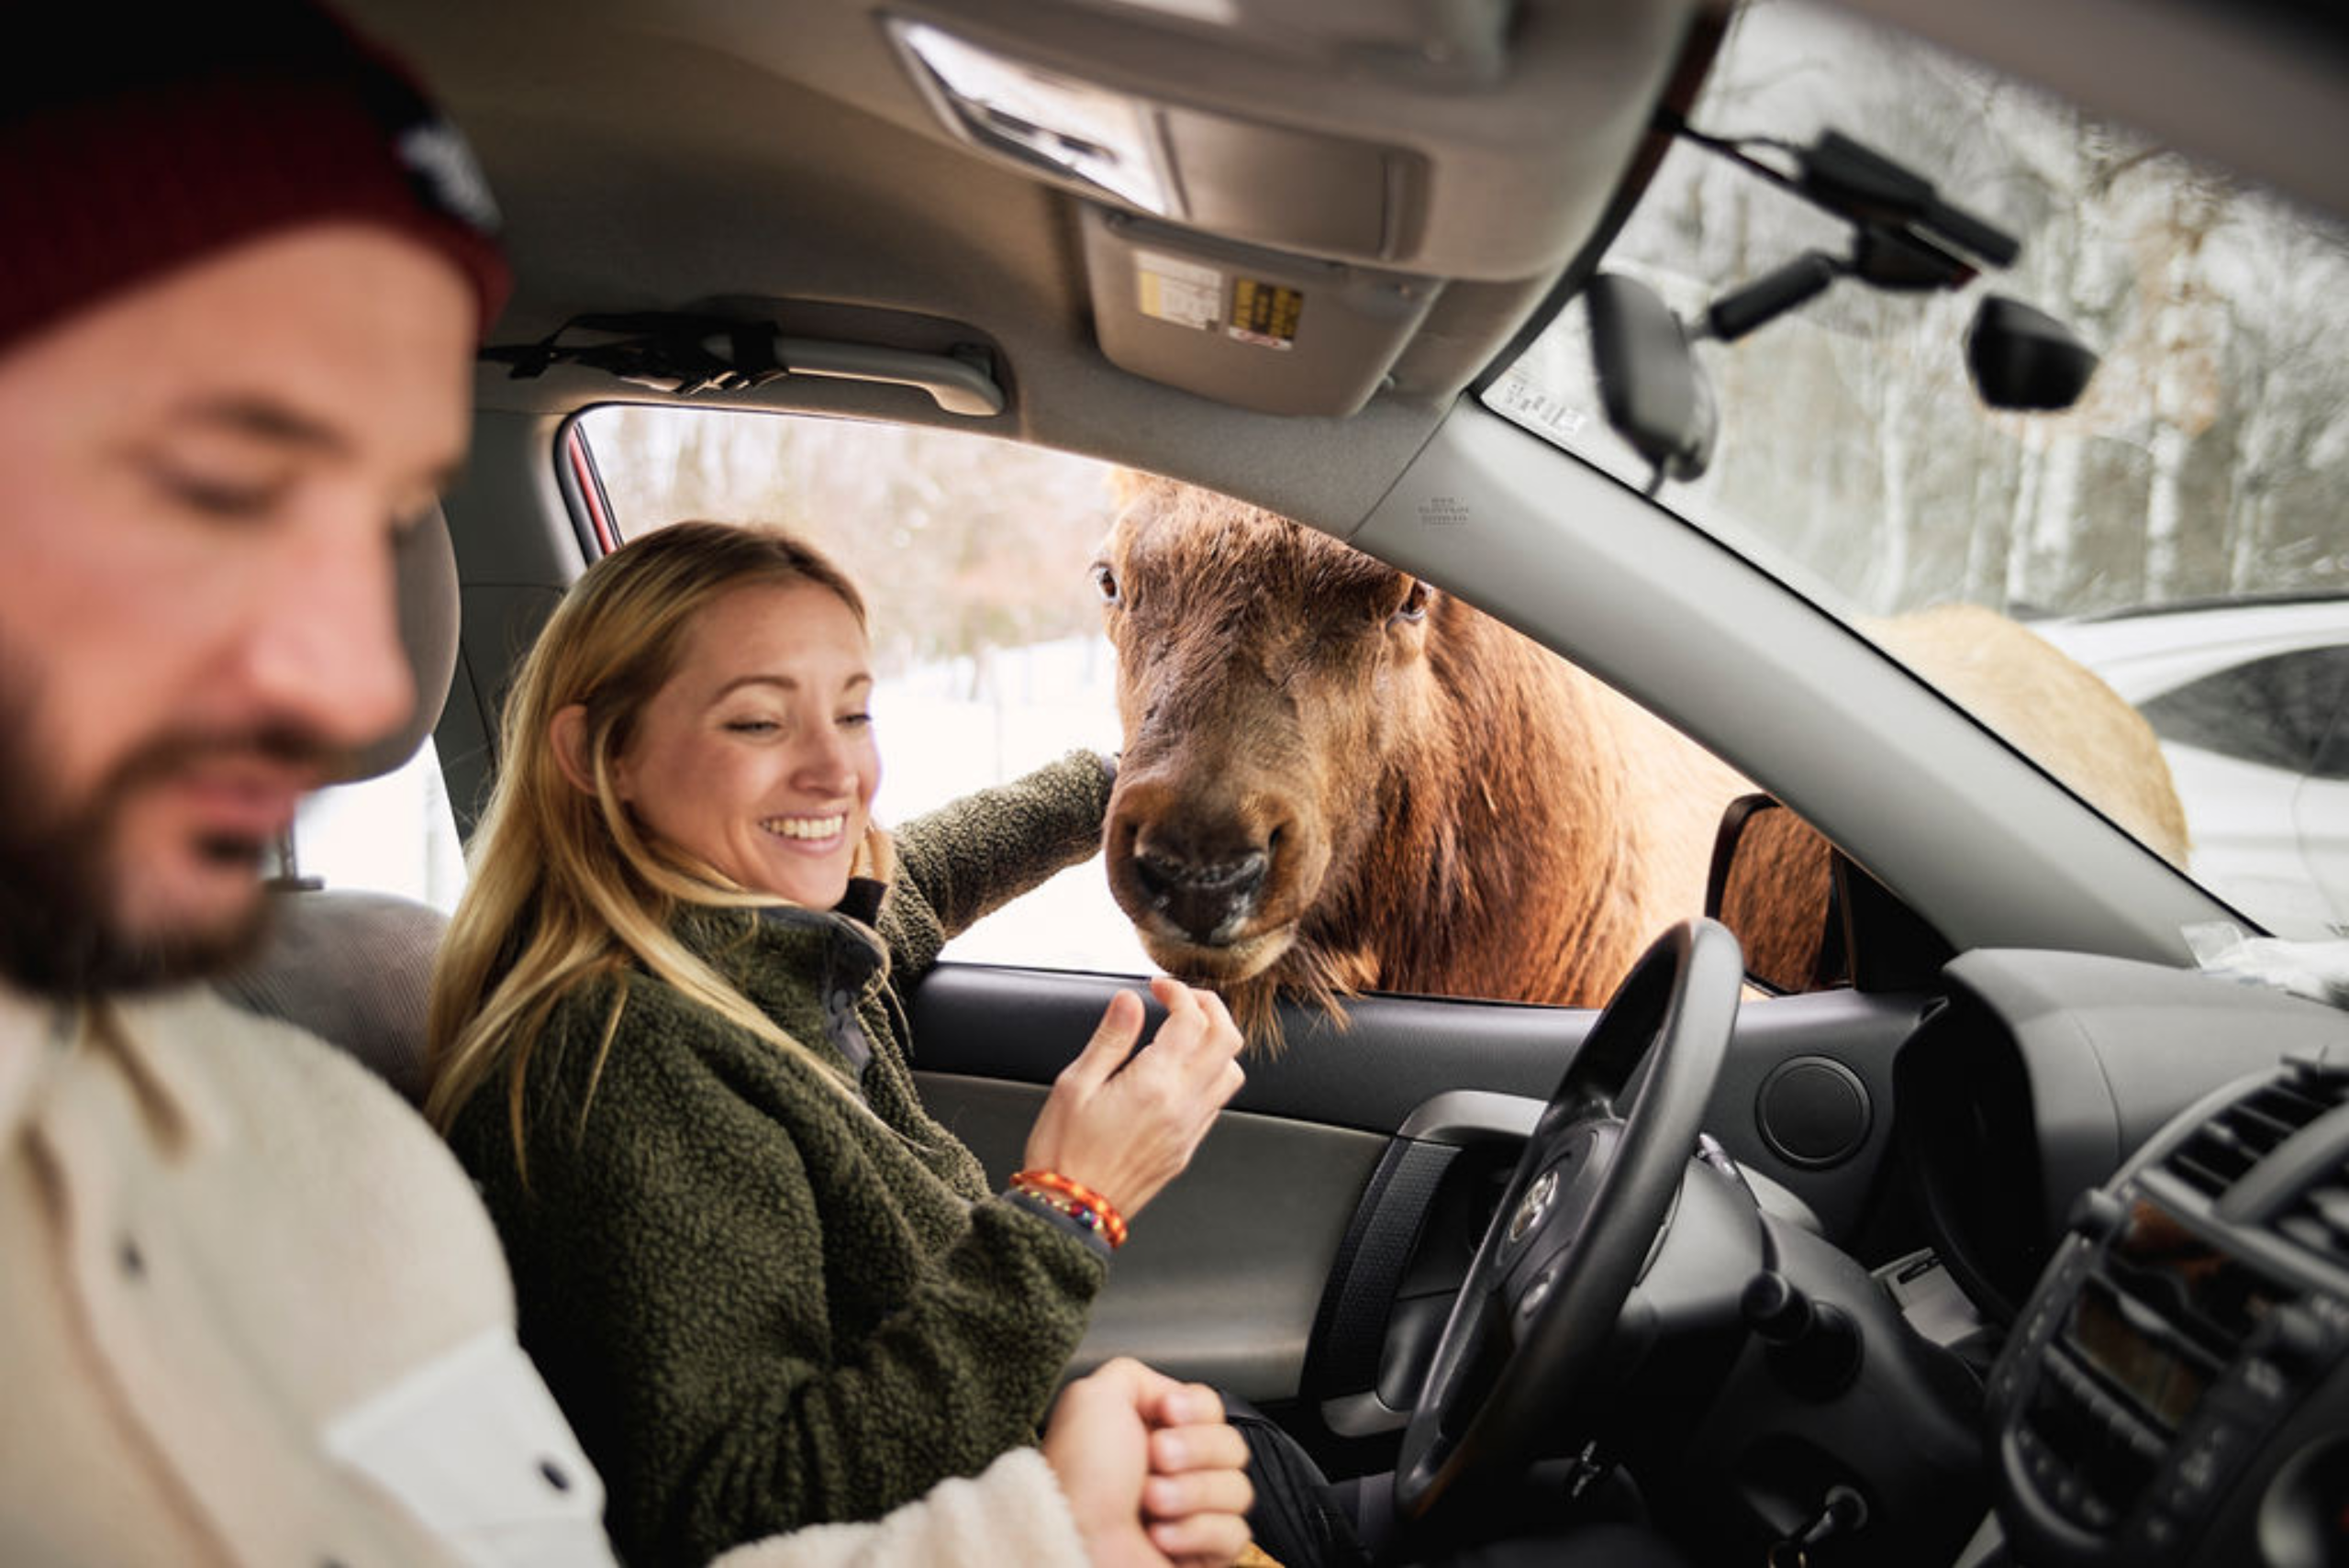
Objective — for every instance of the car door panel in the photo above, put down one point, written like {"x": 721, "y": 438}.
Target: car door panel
{"x": 1311, "y": 1247}
{"x": 1220, "y": 1279}
{"x": 1369, "y": 1072}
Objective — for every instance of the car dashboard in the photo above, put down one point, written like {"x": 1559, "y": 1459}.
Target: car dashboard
{"x": 2143, "y": 1176}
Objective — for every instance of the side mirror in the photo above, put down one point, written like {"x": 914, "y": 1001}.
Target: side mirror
{"x": 1773, "y": 884}
{"x": 1649, "y": 381}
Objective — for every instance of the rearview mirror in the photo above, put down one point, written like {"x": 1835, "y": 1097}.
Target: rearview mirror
{"x": 1773, "y": 884}
{"x": 1649, "y": 381}
{"x": 2023, "y": 358}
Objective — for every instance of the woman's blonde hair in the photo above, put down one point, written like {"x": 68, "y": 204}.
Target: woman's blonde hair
{"x": 564, "y": 887}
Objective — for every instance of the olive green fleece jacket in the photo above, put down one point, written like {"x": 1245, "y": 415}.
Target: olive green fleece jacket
{"x": 759, "y": 1308}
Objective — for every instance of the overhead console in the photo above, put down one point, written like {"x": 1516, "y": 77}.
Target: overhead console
{"x": 1276, "y": 192}
{"x": 1241, "y": 176}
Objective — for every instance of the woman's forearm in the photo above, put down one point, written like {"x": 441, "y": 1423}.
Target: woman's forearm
{"x": 973, "y": 855}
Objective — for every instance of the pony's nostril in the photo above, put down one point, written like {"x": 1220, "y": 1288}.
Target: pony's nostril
{"x": 1231, "y": 877}
{"x": 1157, "y": 875}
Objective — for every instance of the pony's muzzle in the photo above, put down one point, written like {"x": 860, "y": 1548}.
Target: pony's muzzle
{"x": 1205, "y": 899}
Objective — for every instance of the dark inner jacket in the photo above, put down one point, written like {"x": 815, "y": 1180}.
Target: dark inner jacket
{"x": 759, "y": 1308}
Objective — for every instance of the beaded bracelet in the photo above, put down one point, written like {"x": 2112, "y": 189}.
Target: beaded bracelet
{"x": 1076, "y": 1212}
{"x": 1076, "y": 1200}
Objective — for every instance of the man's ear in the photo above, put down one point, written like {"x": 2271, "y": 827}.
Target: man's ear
{"x": 568, "y": 735}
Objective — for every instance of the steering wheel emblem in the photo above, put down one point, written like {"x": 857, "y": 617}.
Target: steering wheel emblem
{"x": 1537, "y": 1204}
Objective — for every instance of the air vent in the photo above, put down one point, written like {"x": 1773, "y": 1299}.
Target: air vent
{"x": 2239, "y": 1137}
{"x": 2320, "y": 1221}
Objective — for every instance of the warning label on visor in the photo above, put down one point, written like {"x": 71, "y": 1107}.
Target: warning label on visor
{"x": 1264, "y": 314}
{"x": 1183, "y": 294}
{"x": 1190, "y": 293}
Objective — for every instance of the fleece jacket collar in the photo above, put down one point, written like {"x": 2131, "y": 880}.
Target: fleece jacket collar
{"x": 811, "y": 971}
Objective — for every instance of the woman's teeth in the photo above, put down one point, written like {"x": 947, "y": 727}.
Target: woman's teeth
{"x": 806, "y": 827}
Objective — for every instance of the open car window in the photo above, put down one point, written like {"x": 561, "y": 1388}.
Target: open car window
{"x": 976, "y": 557}
{"x": 2205, "y": 468}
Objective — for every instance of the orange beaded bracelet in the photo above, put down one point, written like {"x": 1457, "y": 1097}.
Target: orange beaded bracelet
{"x": 1076, "y": 1200}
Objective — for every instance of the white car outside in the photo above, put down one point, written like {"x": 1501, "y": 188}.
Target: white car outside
{"x": 2251, "y": 700}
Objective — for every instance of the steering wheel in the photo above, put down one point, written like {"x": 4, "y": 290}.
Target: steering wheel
{"x": 1575, "y": 1224}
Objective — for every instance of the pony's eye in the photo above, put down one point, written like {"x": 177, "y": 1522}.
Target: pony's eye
{"x": 1107, "y": 581}
{"x": 1414, "y": 606}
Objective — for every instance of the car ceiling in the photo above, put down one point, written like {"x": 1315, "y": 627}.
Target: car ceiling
{"x": 780, "y": 159}
{"x": 777, "y": 159}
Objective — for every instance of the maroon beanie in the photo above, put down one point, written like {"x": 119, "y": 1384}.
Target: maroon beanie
{"x": 138, "y": 137}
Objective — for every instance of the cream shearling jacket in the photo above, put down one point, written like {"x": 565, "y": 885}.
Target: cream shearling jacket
{"x": 252, "y": 1311}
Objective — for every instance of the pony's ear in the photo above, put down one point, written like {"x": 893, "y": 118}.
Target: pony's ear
{"x": 567, "y": 733}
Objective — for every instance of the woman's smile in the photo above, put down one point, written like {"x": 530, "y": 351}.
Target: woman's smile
{"x": 815, "y": 831}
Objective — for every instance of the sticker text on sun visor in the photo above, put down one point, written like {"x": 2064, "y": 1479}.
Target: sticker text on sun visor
{"x": 1264, "y": 314}
{"x": 1184, "y": 293}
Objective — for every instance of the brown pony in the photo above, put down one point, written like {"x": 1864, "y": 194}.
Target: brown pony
{"x": 1337, "y": 778}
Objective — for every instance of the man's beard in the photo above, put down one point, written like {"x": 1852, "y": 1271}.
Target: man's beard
{"x": 62, "y": 931}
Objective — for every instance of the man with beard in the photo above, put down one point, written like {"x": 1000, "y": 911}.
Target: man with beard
{"x": 250, "y": 1309}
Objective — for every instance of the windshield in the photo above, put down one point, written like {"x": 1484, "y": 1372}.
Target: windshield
{"x": 2179, "y": 531}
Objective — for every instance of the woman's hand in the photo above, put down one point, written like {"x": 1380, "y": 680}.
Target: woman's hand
{"x": 1151, "y": 1471}
{"x": 1127, "y": 1127}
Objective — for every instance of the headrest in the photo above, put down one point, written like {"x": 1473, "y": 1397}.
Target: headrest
{"x": 426, "y": 571}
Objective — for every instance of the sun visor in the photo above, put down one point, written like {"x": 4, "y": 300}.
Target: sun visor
{"x": 1261, "y": 330}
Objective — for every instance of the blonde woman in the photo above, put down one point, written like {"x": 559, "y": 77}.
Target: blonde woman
{"x": 669, "y": 1042}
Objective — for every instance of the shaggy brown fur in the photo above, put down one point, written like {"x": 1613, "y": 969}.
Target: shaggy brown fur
{"x": 1439, "y": 805}
{"x": 1336, "y": 778}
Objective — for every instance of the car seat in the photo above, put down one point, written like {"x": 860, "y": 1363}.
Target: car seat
{"x": 351, "y": 966}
